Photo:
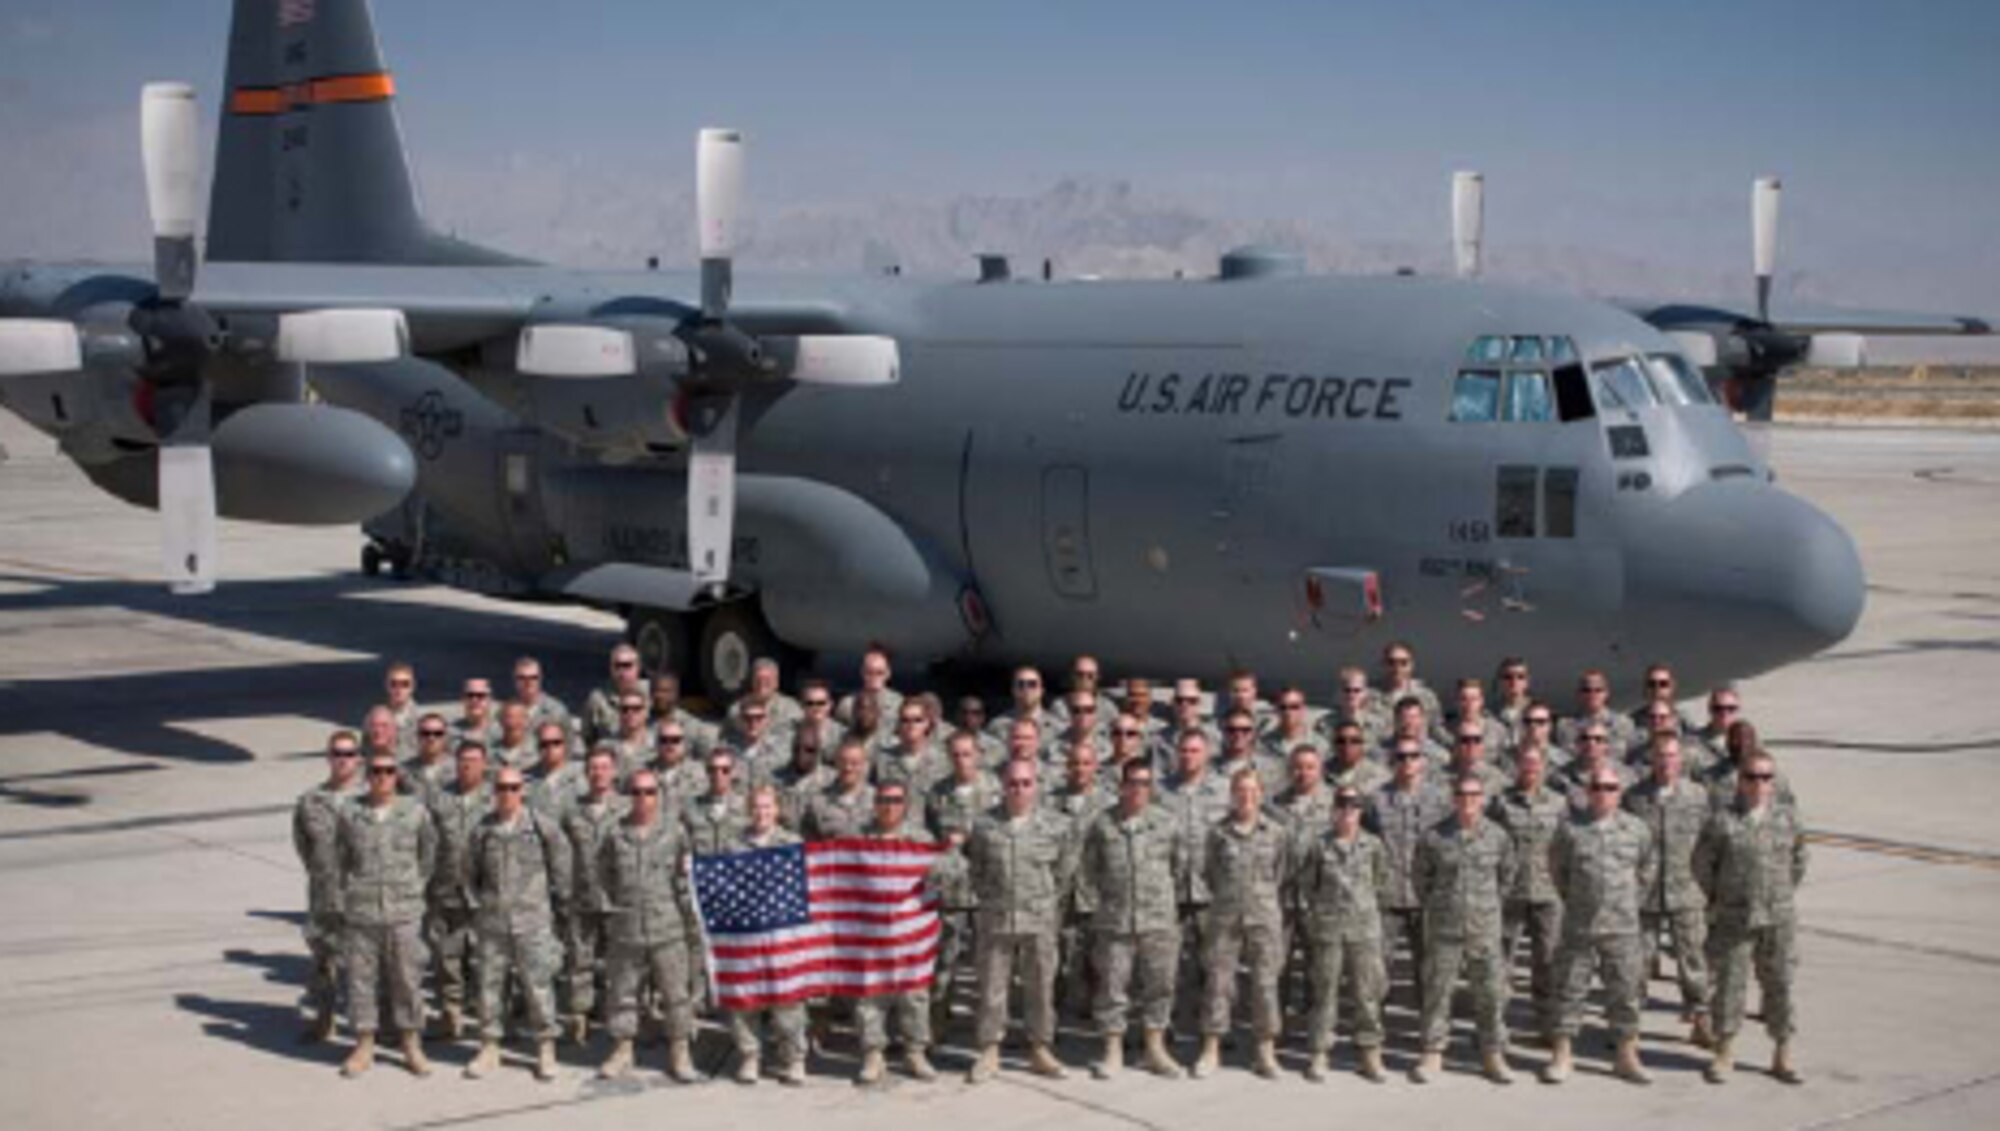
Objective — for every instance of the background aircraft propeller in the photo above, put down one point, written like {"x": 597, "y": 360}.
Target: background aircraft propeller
{"x": 717, "y": 360}
{"x": 168, "y": 339}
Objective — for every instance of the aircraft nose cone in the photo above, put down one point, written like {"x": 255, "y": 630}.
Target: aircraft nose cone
{"x": 1750, "y": 575}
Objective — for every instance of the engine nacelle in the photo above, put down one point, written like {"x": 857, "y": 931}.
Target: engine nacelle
{"x": 567, "y": 379}
{"x": 294, "y": 464}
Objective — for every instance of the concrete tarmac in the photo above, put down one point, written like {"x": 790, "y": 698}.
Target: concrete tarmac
{"x": 150, "y": 749}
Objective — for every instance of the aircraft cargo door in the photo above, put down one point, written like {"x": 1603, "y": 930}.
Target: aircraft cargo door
{"x": 521, "y": 512}
{"x": 1066, "y": 532}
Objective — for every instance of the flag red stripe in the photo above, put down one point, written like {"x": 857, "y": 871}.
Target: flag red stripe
{"x": 834, "y": 938}
{"x": 919, "y": 961}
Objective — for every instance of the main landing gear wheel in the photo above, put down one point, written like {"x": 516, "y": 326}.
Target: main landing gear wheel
{"x": 665, "y": 640}
{"x": 733, "y": 637}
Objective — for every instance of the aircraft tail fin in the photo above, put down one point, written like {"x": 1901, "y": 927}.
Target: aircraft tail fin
{"x": 309, "y": 159}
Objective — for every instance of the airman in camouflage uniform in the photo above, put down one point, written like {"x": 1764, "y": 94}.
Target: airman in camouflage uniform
{"x": 434, "y": 765}
{"x": 781, "y": 710}
{"x": 1083, "y": 796}
{"x": 1513, "y": 693}
{"x": 1412, "y": 724}
{"x": 532, "y": 693}
{"x": 1348, "y": 762}
{"x": 761, "y": 746}
{"x": 1400, "y": 812}
{"x": 787, "y": 1023}
{"x": 1354, "y": 703}
{"x": 1464, "y": 865}
{"x": 515, "y": 744}
{"x": 801, "y": 779}
{"x": 477, "y": 718}
{"x": 1341, "y": 873}
{"x": 875, "y": 676}
{"x": 522, "y": 877}
{"x": 1532, "y": 813}
{"x": 640, "y": 886}
{"x": 1593, "y": 696}
{"x": 1471, "y": 757}
{"x": 600, "y": 709}
{"x": 913, "y": 759}
{"x": 1241, "y": 694}
{"x": 381, "y": 736}
{"x": 954, "y": 806}
{"x": 1305, "y": 805}
{"x": 315, "y": 837}
{"x": 1198, "y": 797}
{"x": 1027, "y": 706}
{"x": 1469, "y": 713}
{"x": 1603, "y": 859}
{"x": 1593, "y": 752}
{"x": 633, "y": 740}
{"x": 1399, "y": 681}
{"x": 1131, "y": 741}
{"x": 1674, "y": 810}
{"x": 1187, "y": 718}
{"x": 911, "y": 1008}
{"x": 456, "y": 810}
{"x": 399, "y": 686}
{"x": 970, "y": 717}
{"x": 1750, "y": 858}
{"x": 586, "y": 823}
{"x": 664, "y": 706}
{"x": 847, "y": 802}
{"x": 714, "y": 820}
{"x": 1293, "y": 729}
{"x": 1662, "y": 690}
{"x": 1247, "y": 869}
{"x": 1133, "y": 862}
{"x": 817, "y": 725}
{"x": 555, "y": 782}
{"x": 682, "y": 773}
{"x": 1240, "y": 750}
{"x": 386, "y": 847}
{"x": 1022, "y": 860}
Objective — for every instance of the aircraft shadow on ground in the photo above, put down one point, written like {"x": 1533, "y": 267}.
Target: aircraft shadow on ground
{"x": 138, "y": 714}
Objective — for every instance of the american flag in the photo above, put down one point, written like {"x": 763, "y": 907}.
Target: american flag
{"x": 840, "y": 918}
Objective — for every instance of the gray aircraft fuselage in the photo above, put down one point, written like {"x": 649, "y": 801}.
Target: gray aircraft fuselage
{"x": 1147, "y": 471}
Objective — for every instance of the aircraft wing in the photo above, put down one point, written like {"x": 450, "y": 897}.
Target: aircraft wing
{"x": 1806, "y": 318}
{"x": 450, "y": 308}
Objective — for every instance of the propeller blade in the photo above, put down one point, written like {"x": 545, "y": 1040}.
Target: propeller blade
{"x": 343, "y": 337}
{"x": 859, "y": 360}
{"x": 187, "y": 517}
{"x": 1764, "y": 239}
{"x": 711, "y": 487}
{"x": 169, "y": 138}
{"x": 718, "y": 199}
{"x": 39, "y": 345}
{"x": 1468, "y": 221}
{"x": 575, "y": 351}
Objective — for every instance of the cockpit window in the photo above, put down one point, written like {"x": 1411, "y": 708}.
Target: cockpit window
{"x": 1476, "y": 396}
{"x": 1528, "y": 396}
{"x": 1562, "y": 349}
{"x": 1677, "y": 381}
{"x": 1490, "y": 348}
{"x": 1526, "y": 349}
{"x": 1622, "y": 384}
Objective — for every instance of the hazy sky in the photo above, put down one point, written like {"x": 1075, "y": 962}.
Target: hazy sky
{"x": 1628, "y": 127}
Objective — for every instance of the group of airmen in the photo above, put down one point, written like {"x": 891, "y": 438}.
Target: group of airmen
{"x": 1120, "y": 855}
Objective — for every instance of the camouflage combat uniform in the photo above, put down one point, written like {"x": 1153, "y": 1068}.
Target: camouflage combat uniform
{"x": 1460, "y": 877}
{"x": 1020, "y": 869}
{"x": 641, "y": 887}
{"x": 1129, "y": 875}
{"x": 386, "y": 856}
{"x": 1672, "y": 900}
{"x": 1748, "y": 863}
{"x": 1601, "y": 865}
{"x": 315, "y": 837}
{"x": 521, "y": 872}
{"x": 1533, "y": 906}
{"x": 585, "y": 943}
{"x": 1340, "y": 886}
{"x": 1247, "y": 872}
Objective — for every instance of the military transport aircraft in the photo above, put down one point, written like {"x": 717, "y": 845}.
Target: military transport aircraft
{"x": 1264, "y": 469}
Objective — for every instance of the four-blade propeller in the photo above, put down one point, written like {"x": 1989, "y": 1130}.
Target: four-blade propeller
{"x": 721, "y": 359}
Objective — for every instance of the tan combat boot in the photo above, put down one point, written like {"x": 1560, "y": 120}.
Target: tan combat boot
{"x": 1043, "y": 1062}
{"x": 748, "y": 1069}
{"x": 1266, "y": 1064}
{"x": 1316, "y": 1066}
{"x": 1558, "y": 1068}
{"x": 792, "y": 1070}
{"x": 1721, "y": 1064}
{"x": 619, "y": 1062}
{"x": 545, "y": 1060}
{"x": 1158, "y": 1060}
{"x": 1493, "y": 1066}
{"x": 413, "y": 1056}
{"x": 1781, "y": 1063}
{"x": 919, "y": 1064}
{"x": 1113, "y": 1058}
{"x": 986, "y": 1067}
{"x": 362, "y": 1058}
{"x": 873, "y": 1068}
{"x": 1210, "y": 1058}
{"x": 680, "y": 1060}
{"x": 1371, "y": 1065}
{"x": 319, "y": 1029}
{"x": 1428, "y": 1067}
{"x": 1627, "y": 1067}
{"x": 1700, "y": 1035}
{"x": 486, "y": 1062}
